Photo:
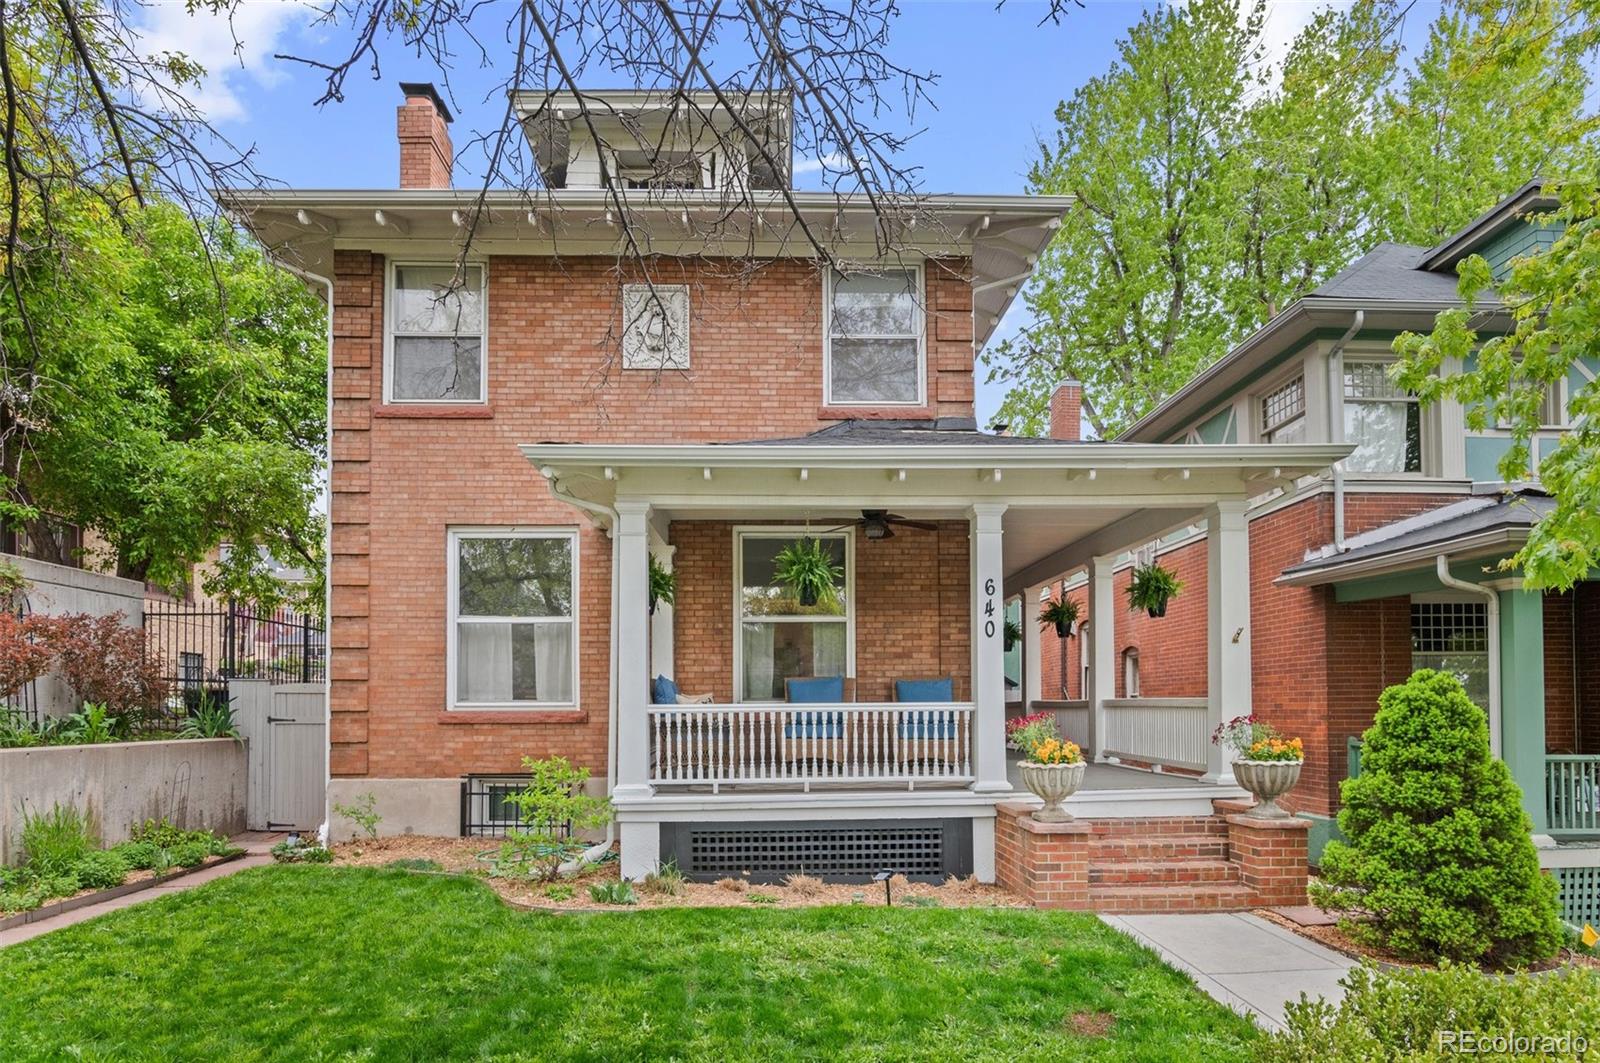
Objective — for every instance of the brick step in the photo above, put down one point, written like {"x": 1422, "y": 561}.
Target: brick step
{"x": 1197, "y": 873}
{"x": 1187, "y": 897}
{"x": 1157, "y": 847}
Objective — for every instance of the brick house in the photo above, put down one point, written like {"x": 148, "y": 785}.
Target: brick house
{"x": 513, "y": 448}
{"x": 1381, "y": 565}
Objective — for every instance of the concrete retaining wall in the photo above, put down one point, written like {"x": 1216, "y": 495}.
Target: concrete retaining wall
{"x": 196, "y": 783}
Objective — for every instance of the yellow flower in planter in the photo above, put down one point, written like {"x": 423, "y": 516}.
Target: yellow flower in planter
{"x": 1056, "y": 751}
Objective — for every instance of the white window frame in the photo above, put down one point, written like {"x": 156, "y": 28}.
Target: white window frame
{"x": 1449, "y": 598}
{"x": 789, "y": 531}
{"x": 452, "y": 616}
{"x": 1422, "y": 420}
{"x": 1259, "y": 405}
{"x": 919, "y": 300}
{"x": 1130, "y": 672}
{"x": 389, "y": 333}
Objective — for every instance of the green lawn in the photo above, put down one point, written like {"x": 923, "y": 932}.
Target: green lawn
{"x": 315, "y": 962}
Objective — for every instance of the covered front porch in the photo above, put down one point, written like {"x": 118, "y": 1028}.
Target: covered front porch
{"x": 889, "y": 703}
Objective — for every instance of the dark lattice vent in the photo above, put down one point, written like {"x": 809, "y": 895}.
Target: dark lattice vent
{"x": 928, "y": 850}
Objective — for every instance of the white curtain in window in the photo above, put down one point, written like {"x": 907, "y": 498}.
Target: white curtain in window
{"x": 1378, "y": 429}
{"x": 758, "y": 661}
{"x": 552, "y": 662}
{"x": 483, "y": 663}
{"x": 827, "y": 649}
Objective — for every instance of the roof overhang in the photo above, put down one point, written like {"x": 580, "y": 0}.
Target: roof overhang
{"x": 1490, "y": 542}
{"x": 1282, "y": 334}
{"x": 1003, "y": 235}
{"x": 1530, "y": 198}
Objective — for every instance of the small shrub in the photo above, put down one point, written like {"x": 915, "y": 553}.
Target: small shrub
{"x": 1440, "y": 855}
{"x": 141, "y": 856}
{"x": 667, "y": 880}
{"x": 804, "y": 885}
{"x": 415, "y": 863}
{"x": 551, "y": 807}
{"x": 24, "y": 651}
{"x": 363, "y": 813}
{"x": 559, "y": 891}
{"x": 619, "y": 891}
{"x": 732, "y": 885}
{"x": 53, "y": 842}
{"x": 757, "y": 897}
{"x": 105, "y": 663}
{"x": 212, "y": 718}
{"x": 286, "y": 852}
{"x": 159, "y": 832}
{"x": 1423, "y": 1014}
{"x": 190, "y": 854}
{"x": 100, "y": 870}
{"x": 92, "y": 725}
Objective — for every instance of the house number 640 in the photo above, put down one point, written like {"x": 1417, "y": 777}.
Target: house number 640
{"x": 988, "y": 608}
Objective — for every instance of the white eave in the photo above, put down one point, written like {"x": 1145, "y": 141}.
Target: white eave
{"x": 1003, "y": 235}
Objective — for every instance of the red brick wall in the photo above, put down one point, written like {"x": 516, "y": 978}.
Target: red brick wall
{"x": 402, "y": 476}
{"x": 1560, "y": 680}
{"x": 426, "y": 157}
{"x": 1172, "y": 648}
{"x": 1060, "y": 660}
{"x": 911, "y": 609}
{"x": 1586, "y": 651}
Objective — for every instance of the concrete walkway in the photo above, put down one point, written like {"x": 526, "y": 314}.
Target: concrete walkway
{"x": 256, "y": 846}
{"x": 1253, "y": 966}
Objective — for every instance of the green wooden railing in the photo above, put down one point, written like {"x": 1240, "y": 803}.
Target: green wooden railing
{"x": 1572, "y": 794}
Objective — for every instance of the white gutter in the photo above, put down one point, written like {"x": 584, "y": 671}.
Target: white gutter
{"x": 595, "y": 852}
{"x": 327, "y": 566}
{"x": 1492, "y": 618}
{"x": 1336, "y": 424}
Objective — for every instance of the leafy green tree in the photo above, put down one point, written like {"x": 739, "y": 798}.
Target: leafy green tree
{"x": 1553, "y": 301}
{"x": 1440, "y": 855}
{"x": 1125, "y": 299}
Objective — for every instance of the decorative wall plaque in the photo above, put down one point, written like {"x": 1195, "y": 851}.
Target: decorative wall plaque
{"x": 655, "y": 326}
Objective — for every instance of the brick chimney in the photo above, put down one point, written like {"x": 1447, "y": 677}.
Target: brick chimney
{"x": 1066, "y": 411}
{"x": 423, "y": 125}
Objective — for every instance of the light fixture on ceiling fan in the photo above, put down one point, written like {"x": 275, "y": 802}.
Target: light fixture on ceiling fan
{"x": 878, "y": 524}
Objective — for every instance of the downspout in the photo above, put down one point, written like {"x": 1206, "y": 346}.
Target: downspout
{"x": 596, "y": 851}
{"x": 327, "y": 566}
{"x": 1335, "y": 425}
{"x": 1492, "y": 618}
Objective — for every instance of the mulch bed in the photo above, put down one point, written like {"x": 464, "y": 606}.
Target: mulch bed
{"x": 136, "y": 881}
{"x": 472, "y": 856}
{"x": 1339, "y": 940}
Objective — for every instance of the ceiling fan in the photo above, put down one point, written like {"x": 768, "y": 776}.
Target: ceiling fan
{"x": 877, "y": 524}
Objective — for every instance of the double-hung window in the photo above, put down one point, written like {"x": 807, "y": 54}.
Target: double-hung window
{"x": 1382, "y": 419}
{"x": 436, "y": 336}
{"x": 513, "y": 603}
{"x": 1283, "y": 413}
{"x": 781, "y": 636}
{"x": 874, "y": 339}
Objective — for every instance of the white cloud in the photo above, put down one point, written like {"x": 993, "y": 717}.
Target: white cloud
{"x": 233, "y": 50}
{"x": 1283, "y": 22}
{"x": 833, "y": 161}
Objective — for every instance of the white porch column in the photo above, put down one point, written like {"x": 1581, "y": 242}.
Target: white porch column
{"x": 1228, "y": 679}
{"x": 633, "y": 650}
{"x": 1102, "y": 652}
{"x": 1032, "y": 648}
{"x": 988, "y": 642}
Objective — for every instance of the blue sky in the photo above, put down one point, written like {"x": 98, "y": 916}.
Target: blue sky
{"x": 1001, "y": 75}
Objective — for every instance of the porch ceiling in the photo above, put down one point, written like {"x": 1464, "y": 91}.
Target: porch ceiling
{"x": 1064, "y": 502}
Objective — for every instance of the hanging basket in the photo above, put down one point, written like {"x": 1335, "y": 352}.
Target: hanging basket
{"x": 1157, "y": 611}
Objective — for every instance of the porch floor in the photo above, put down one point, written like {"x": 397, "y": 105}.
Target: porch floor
{"x": 1109, "y": 777}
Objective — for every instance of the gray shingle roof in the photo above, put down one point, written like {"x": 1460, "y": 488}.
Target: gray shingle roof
{"x": 932, "y": 432}
{"x": 1390, "y": 272}
{"x": 1511, "y": 511}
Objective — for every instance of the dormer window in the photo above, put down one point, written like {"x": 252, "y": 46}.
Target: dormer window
{"x": 1382, "y": 419}
{"x": 1283, "y": 413}
{"x": 874, "y": 351}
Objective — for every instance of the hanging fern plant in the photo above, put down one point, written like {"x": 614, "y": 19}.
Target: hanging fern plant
{"x": 1063, "y": 613}
{"x": 1152, "y": 587}
{"x": 805, "y": 568}
{"x": 663, "y": 584}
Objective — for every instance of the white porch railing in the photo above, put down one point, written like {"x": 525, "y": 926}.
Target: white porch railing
{"x": 1572, "y": 794}
{"x": 1072, "y": 719}
{"x": 1169, "y": 731}
{"x": 804, "y": 745}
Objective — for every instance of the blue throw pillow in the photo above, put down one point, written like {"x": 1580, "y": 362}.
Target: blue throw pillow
{"x": 664, "y": 691}
{"x": 925, "y": 689}
{"x": 826, "y": 688}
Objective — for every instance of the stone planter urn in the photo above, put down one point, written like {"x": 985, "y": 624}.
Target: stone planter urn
{"x": 1268, "y": 780}
{"x": 1052, "y": 784}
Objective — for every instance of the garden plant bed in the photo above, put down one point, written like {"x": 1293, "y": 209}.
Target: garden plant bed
{"x": 317, "y": 961}
{"x": 461, "y": 855}
{"x": 1335, "y": 938}
{"x": 135, "y": 882}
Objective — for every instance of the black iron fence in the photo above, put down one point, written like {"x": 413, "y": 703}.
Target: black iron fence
{"x": 202, "y": 645}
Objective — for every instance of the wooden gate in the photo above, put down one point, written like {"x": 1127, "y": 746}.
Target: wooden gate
{"x": 286, "y": 730}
